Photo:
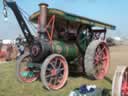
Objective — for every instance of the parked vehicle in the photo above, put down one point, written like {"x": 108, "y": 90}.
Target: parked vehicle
{"x": 66, "y": 43}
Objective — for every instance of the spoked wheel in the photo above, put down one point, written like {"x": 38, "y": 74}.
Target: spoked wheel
{"x": 25, "y": 70}
{"x": 120, "y": 82}
{"x": 54, "y": 72}
{"x": 97, "y": 59}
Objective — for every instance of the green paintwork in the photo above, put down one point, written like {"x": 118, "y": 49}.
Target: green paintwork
{"x": 82, "y": 41}
{"x": 67, "y": 49}
{"x": 73, "y": 18}
{"x": 29, "y": 74}
{"x": 30, "y": 65}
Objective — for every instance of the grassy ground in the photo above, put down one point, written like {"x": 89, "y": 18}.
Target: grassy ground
{"x": 9, "y": 86}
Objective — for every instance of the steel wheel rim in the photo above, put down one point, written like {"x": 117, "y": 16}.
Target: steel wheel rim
{"x": 101, "y": 61}
{"x": 25, "y": 70}
{"x": 124, "y": 86}
{"x": 56, "y": 73}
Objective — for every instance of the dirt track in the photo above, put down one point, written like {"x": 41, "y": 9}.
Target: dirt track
{"x": 119, "y": 56}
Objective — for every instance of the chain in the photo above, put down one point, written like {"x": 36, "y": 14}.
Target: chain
{"x": 5, "y": 9}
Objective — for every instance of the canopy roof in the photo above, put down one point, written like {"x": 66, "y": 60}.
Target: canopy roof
{"x": 73, "y": 18}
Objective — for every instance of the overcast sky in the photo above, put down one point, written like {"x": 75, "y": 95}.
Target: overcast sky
{"x": 109, "y": 11}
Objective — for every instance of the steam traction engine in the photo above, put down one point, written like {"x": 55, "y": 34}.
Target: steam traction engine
{"x": 65, "y": 42}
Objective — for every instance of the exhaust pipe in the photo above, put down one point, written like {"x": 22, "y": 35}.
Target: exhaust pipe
{"x": 43, "y": 16}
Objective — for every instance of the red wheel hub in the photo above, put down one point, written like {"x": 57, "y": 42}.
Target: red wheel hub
{"x": 53, "y": 72}
{"x": 101, "y": 61}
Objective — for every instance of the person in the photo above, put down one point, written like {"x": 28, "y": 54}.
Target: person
{"x": 20, "y": 45}
{"x": 9, "y": 52}
{"x": 19, "y": 39}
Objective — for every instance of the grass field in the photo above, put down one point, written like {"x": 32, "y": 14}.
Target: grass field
{"x": 9, "y": 86}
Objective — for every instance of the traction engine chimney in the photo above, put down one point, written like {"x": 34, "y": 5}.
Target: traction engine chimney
{"x": 43, "y": 18}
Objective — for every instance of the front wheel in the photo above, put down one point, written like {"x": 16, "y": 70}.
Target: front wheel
{"x": 25, "y": 70}
{"x": 54, "y": 72}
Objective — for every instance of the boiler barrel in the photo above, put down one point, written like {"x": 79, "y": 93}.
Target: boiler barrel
{"x": 67, "y": 49}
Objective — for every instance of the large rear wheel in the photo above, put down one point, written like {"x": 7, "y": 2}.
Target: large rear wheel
{"x": 96, "y": 60}
{"x": 54, "y": 72}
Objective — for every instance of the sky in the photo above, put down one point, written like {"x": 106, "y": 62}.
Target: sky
{"x": 114, "y": 12}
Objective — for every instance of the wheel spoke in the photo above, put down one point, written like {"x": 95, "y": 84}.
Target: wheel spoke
{"x": 62, "y": 69}
{"x": 100, "y": 56}
{"x": 48, "y": 69}
{"x": 100, "y": 69}
{"x": 60, "y": 76}
{"x": 59, "y": 66}
{"x": 102, "y": 49}
{"x": 55, "y": 80}
{"x": 96, "y": 60}
{"x": 53, "y": 66}
{"x": 104, "y": 58}
{"x": 50, "y": 82}
{"x": 99, "y": 53}
{"x": 56, "y": 59}
{"x": 47, "y": 76}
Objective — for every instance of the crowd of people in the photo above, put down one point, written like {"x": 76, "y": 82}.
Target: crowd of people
{"x": 12, "y": 51}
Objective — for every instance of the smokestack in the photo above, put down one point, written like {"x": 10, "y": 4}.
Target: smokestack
{"x": 43, "y": 16}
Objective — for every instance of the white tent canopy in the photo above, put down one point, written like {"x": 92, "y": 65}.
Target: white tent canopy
{"x": 8, "y": 41}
